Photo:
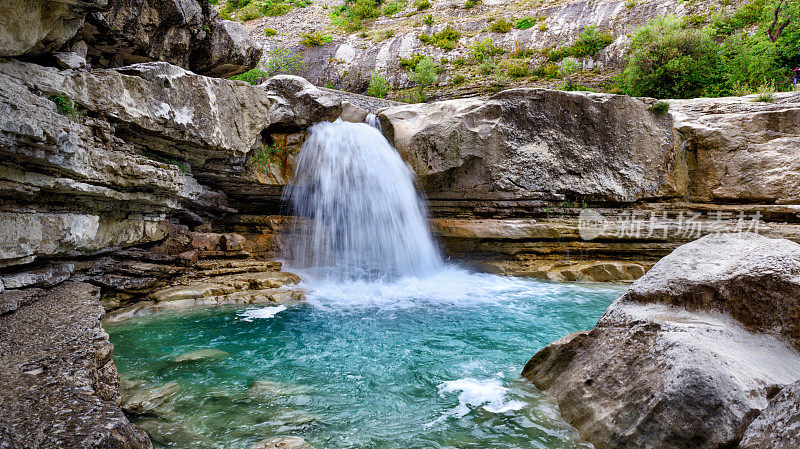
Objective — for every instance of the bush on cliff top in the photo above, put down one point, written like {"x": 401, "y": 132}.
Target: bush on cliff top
{"x": 589, "y": 42}
{"x": 672, "y": 58}
{"x": 446, "y": 39}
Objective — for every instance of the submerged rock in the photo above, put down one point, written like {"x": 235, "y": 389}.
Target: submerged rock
{"x": 201, "y": 355}
{"x": 688, "y": 356}
{"x": 283, "y": 443}
{"x": 149, "y": 401}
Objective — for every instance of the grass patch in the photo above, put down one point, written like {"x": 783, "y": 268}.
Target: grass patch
{"x": 315, "y": 39}
{"x": 66, "y": 106}
{"x": 421, "y": 5}
{"x": 471, "y": 3}
{"x": 446, "y": 39}
{"x": 269, "y": 32}
{"x": 500, "y": 26}
{"x": 263, "y": 158}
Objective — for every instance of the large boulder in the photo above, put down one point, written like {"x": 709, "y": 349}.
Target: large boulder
{"x": 690, "y": 354}
{"x": 187, "y": 33}
{"x": 540, "y": 144}
{"x": 34, "y": 27}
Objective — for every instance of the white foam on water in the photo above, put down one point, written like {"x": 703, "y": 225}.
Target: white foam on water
{"x": 451, "y": 286}
{"x": 489, "y": 394}
{"x": 261, "y": 313}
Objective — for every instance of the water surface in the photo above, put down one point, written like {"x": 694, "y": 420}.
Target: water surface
{"x": 415, "y": 363}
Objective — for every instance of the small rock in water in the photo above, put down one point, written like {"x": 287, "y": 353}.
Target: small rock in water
{"x": 283, "y": 443}
{"x": 200, "y": 354}
{"x": 148, "y": 401}
{"x": 262, "y": 388}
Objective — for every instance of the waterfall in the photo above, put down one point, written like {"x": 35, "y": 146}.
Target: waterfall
{"x": 358, "y": 212}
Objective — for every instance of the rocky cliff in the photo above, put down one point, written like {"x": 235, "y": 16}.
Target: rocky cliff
{"x": 346, "y": 61}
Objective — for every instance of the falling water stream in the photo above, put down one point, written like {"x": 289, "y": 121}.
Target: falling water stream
{"x": 392, "y": 349}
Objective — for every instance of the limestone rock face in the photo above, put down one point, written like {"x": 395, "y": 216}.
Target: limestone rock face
{"x": 533, "y": 143}
{"x": 689, "y": 355}
{"x": 778, "y": 426}
{"x": 186, "y": 33}
{"x": 102, "y": 159}
{"x": 744, "y": 150}
{"x": 41, "y": 26}
{"x": 59, "y": 379}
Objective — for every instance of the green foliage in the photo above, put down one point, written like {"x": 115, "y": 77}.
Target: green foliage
{"x": 485, "y": 49}
{"x": 65, "y": 105}
{"x": 282, "y": 60}
{"x": 630, "y": 4}
{"x": 521, "y": 53}
{"x": 667, "y": 60}
{"x": 566, "y": 68}
{"x": 393, "y": 7}
{"x": 660, "y": 107}
{"x": 389, "y": 33}
{"x": 428, "y": 20}
{"x": 526, "y": 22}
{"x": 411, "y": 62}
{"x": 589, "y": 42}
{"x": 354, "y": 13}
{"x": 516, "y": 69}
{"x": 377, "y": 85}
{"x": 458, "y": 79}
{"x": 460, "y": 61}
{"x": 270, "y": 32}
{"x": 424, "y": 75}
{"x": 251, "y": 76}
{"x": 766, "y": 93}
{"x": 421, "y": 4}
{"x": 315, "y": 39}
{"x": 470, "y": 3}
{"x": 264, "y": 157}
{"x": 244, "y": 10}
{"x": 500, "y": 26}
{"x": 672, "y": 58}
{"x": 446, "y": 39}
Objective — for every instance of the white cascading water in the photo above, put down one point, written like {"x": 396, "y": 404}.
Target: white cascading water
{"x": 359, "y": 214}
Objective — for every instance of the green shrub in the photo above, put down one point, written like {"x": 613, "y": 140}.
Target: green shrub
{"x": 458, "y": 79}
{"x": 282, "y": 60}
{"x": 525, "y": 23}
{"x": 750, "y": 61}
{"x": 667, "y": 60}
{"x": 251, "y": 76}
{"x": 270, "y": 32}
{"x": 485, "y": 49}
{"x": 746, "y": 15}
{"x": 566, "y": 68}
{"x": 766, "y": 93}
{"x": 353, "y": 13}
{"x": 460, "y": 61}
{"x": 446, "y": 39}
{"x": 516, "y": 69}
{"x": 244, "y": 10}
{"x": 421, "y": 4}
{"x": 521, "y": 53}
{"x": 424, "y": 75}
{"x": 589, "y": 42}
{"x": 393, "y": 7}
{"x": 315, "y": 39}
{"x": 470, "y": 3}
{"x": 543, "y": 27}
{"x": 377, "y": 85}
{"x": 411, "y": 62}
{"x": 660, "y": 107}
{"x": 500, "y": 26}
{"x": 66, "y": 106}
{"x": 389, "y": 33}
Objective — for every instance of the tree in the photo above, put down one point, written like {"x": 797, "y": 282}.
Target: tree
{"x": 377, "y": 85}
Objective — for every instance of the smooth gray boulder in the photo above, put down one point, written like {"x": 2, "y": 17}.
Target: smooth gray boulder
{"x": 689, "y": 355}
{"x": 524, "y": 144}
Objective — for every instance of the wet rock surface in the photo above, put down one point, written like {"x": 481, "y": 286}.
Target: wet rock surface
{"x": 59, "y": 380}
{"x": 690, "y": 355}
